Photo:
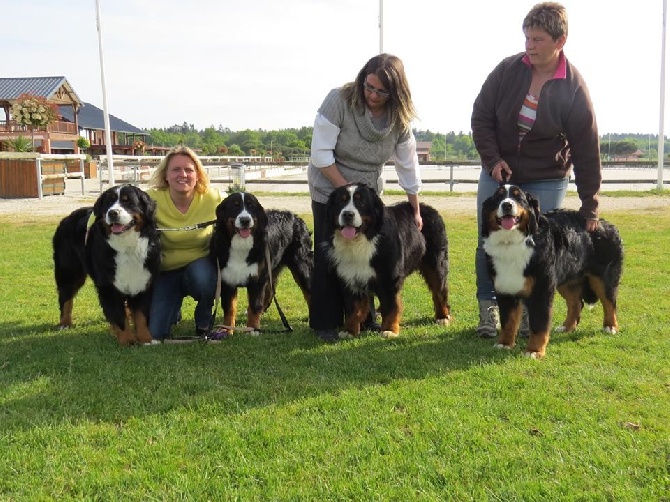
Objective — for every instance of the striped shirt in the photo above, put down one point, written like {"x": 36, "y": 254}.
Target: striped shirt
{"x": 527, "y": 115}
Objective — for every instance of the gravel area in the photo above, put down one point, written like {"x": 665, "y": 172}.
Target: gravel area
{"x": 61, "y": 205}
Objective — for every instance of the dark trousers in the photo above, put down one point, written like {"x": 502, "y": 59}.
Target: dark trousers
{"x": 326, "y": 309}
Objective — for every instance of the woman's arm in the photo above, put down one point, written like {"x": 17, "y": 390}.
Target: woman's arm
{"x": 409, "y": 175}
{"x": 324, "y": 139}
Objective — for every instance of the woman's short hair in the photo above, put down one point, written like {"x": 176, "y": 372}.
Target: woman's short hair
{"x": 550, "y": 17}
{"x": 159, "y": 178}
{"x": 391, "y": 72}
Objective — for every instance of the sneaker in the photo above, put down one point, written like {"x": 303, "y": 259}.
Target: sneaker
{"x": 524, "y": 327}
{"x": 489, "y": 319}
{"x": 327, "y": 335}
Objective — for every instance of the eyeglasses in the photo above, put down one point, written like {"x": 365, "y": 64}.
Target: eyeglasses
{"x": 379, "y": 92}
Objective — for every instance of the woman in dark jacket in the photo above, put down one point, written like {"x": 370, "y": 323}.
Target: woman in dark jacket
{"x": 533, "y": 124}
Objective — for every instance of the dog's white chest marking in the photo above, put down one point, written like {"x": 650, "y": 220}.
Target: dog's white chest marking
{"x": 510, "y": 253}
{"x": 237, "y": 271}
{"x": 131, "y": 276}
{"x": 352, "y": 260}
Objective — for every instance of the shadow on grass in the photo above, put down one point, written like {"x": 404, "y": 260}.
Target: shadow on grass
{"x": 81, "y": 374}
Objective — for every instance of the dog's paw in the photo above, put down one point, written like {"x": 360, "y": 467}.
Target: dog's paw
{"x": 389, "y": 334}
{"x": 560, "y": 329}
{"x": 610, "y": 329}
{"x": 533, "y": 355}
{"x": 446, "y": 321}
{"x": 502, "y": 346}
{"x": 345, "y": 335}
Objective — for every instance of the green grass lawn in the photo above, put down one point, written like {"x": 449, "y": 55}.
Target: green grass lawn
{"x": 434, "y": 415}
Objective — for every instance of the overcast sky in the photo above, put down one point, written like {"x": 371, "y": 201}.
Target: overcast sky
{"x": 268, "y": 64}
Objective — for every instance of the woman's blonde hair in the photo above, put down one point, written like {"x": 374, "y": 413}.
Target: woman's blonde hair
{"x": 391, "y": 72}
{"x": 159, "y": 178}
{"x": 550, "y": 17}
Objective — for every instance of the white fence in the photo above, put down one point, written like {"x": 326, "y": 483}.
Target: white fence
{"x": 139, "y": 169}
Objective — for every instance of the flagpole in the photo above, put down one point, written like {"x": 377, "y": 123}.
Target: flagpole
{"x": 661, "y": 134}
{"x": 108, "y": 134}
{"x": 381, "y": 26}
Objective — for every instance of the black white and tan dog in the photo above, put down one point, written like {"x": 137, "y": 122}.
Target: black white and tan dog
{"x": 373, "y": 248}
{"x": 531, "y": 255}
{"x": 252, "y": 246}
{"x": 121, "y": 254}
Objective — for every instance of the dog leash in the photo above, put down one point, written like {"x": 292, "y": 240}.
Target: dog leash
{"x": 274, "y": 293}
{"x": 225, "y": 329}
{"x": 197, "y": 226}
{"x": 217, "y": 332}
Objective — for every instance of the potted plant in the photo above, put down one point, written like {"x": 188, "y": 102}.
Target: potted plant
{"x": 83, "y": 143}
{"x": 34, "y": 111}
{"x": 90, "y": 167}
{"x": 19, "y": 144}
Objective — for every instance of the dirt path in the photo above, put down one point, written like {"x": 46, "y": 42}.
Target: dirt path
{"x": 61, "y": 205}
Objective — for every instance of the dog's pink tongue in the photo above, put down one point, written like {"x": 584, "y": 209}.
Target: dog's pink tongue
{"x": 508, "y": 222}
{"x": 348, "y": 232}
{"x": 244, "y": 232}
{"x": 117, "y": 228}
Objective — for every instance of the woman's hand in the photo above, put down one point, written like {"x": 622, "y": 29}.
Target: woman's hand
{"x": 414, "y": 202}
{"x": 501, "y": 172}
{"x": 591, "y": 225}
{"x": 418, "y": 220}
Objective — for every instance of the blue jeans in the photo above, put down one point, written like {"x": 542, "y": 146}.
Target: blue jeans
{"x": 197, "y": 280}
{"x": 549, "y": 193}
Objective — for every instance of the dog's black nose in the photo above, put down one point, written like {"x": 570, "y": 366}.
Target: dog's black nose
{"x": 245, "y": 221}
{"x": 113, "y": 214}
{"x": 347, "y": 216}
{"x": 506, "y": 207}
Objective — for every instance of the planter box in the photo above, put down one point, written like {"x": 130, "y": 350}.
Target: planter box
{"x": 54, "y": 181}
{"x": 19, "y": 177}
{"x": 90, "y": 168}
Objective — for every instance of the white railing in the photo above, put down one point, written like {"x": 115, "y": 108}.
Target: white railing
{"x": 224, "y": 168}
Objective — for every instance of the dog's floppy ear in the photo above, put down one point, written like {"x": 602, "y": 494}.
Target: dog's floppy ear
{"x": 97, "y": 207}
{"x": 261, "y": 215}
{"x": 534, "y": 205}
{"x": 484, "y": 216}
{"x": 148, "y": 205}
{"x": 378, "y": 208}
{"x": 220, "y": 211}
{"x": 331, "y": 206}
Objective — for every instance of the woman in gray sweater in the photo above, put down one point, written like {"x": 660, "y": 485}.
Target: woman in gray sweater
{"x": 358, "y": 128}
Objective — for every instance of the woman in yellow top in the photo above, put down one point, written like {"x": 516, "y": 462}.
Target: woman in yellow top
{"x": 180, "y": 186}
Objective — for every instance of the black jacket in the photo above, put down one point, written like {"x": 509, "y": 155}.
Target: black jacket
{"x": 565, "y": 133}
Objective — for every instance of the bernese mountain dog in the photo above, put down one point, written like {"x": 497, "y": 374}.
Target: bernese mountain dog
{"x": 373, "y": 248}
{"x": 119, "y": 248}
{"x": 531, "y": 255}
{"x": 251, "y": 246}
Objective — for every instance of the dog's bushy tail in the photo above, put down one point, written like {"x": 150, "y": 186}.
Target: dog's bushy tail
{"x": 435, "y": 233}
{"x": 608, "y": 261}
